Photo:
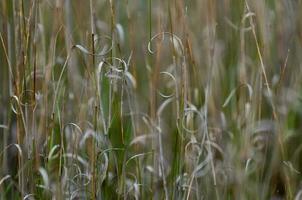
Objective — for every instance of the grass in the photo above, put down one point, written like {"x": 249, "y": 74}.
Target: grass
{"x": 153, "y": 99}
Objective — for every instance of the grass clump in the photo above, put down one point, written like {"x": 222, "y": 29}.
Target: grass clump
{"x": 173, "y": 99}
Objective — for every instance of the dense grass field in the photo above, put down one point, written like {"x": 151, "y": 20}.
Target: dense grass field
{"x": 151, "y": 99}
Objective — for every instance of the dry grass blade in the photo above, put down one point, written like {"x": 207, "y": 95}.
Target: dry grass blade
{"x": 233, "y": 92}
{"x": 4, "y": 179}
{"x": 45, "y": 178}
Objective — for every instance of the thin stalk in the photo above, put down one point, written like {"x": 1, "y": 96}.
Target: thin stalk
{"x": 93, "y": 183}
